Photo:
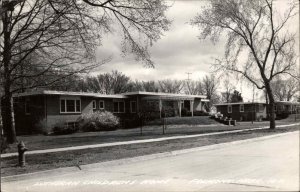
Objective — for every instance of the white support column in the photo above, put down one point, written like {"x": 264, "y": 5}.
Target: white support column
{"x": 179, "y": 107}
{"x": 160, "y": 108}
{"x": 192, "y": 107}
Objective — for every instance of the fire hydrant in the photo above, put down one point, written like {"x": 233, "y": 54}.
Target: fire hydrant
{"x": 21, "y": 152}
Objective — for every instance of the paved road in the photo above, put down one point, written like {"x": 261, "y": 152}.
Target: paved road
{"x": 265, "y": 165}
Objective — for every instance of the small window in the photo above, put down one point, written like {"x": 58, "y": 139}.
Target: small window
{"x": 101, "y": 104}
{"x": 229, "y": 109}
{"x": 94, "y": 104}
{"x": 133, "y": 106}
{"x": 27, "y": 107}
{"x": 275, "y": 108}
{"x": 119, "y": 107}
{"x": 242, "y": 109}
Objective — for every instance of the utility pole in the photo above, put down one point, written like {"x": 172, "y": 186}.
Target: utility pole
{"x": 188, "y": 82}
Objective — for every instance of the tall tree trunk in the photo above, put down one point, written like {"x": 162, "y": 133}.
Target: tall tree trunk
{"x": 271, "y": 105}
{"x": 6, "y": 100}
{"x": 7, "y": 119}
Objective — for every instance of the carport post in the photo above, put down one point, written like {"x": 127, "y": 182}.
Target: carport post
{"x": 192, "y": 107}
{"x": 179, "y": 107}
{"x": 160, "y": 108}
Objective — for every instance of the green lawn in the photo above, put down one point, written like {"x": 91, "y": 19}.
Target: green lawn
{"x": 39, "y": 142}
{"x": 196, "y": 120}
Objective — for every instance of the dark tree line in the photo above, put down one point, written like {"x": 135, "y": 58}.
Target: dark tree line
{"x": 116, "y": 82}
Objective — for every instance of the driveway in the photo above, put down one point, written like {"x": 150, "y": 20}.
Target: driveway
{"x": 261, "y": 165}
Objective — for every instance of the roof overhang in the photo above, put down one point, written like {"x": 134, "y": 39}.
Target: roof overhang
{"x": 240, "y": 103}
{"x": 66, "y": 93}
{"x": 163, "y": 94}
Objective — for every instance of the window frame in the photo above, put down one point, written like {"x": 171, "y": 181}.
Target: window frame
{"x": 228, "y": 109}
{"x": 101, "y": 101}
{"x": 65, "y": 105}
{"x": 135, "y": 110}
{"x": 118, "y": 106}
{"x": 241, "y": 108}
{"x": 94, "y": 103}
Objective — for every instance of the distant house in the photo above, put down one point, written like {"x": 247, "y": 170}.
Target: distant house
{"x": 243, "y": 111}
{"x": 42, "y": 110}
{"x": 248, "y": 111}
{"x": 287, "y": 107}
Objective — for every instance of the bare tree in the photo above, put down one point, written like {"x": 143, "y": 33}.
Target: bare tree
{"x": 135, "y": 86}
{"x": 108, "y": 83}
{"x": 257, "y": 30}
{"x": 229, "y": 88}
{"x": 284, "y": 90}
{"x": 150, "y": 86}
{"x": 63, "y": 34}
{"x": 171, "y": 86}
{"x": 194, "y": 87}
{"x": 210, "y": 86}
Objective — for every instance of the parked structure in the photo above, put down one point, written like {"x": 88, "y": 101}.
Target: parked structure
{"x": 42, "y": 110}
{"x": 256, "y": 111}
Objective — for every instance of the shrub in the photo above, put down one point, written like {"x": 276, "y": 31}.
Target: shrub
{"x": 63, "y": 127}
{"x": 98, "y": 121}
{"x": 168, "y": 111}
{"x": 184, "y": 112}
{"x": 197, "y": 113}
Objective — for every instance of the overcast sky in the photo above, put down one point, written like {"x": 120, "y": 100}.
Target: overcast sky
{"x": 178, "y": 52}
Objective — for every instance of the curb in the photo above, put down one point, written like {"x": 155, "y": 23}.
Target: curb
{"x": 95, "y": 166}
{"x": 136, "y": 141}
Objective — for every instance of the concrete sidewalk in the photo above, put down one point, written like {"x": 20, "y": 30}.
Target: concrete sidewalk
{"x": 136, "y": 141}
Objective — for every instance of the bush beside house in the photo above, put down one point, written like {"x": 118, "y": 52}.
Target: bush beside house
{"x": 98, "y": 121}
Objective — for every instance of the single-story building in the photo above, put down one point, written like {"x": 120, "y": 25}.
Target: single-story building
{"x": 287, "y": 107}
{"x": 248, "y": 111}
{"x": 243, "y": 111}
{"x": 41, "y": 110}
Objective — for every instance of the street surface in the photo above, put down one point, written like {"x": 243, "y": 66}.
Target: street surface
{"x": 266, "y": 165}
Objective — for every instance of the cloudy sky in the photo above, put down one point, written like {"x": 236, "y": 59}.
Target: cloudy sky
{"x": 177, "y": 53}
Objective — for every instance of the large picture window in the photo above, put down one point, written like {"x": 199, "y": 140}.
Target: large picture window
{"x": 119, "y": 107}
{"x": 70, "y": 106}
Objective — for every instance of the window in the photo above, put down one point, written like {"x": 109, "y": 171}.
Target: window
{"x": 94, "y": 104}
{"x": 133, "y": 106}
{"x": 229, "y": 109}
{"x": 101, "y": 104}
{"x": 27, "y": 107}
{"x": 242, "y": 108}
{"x": 119, "y": 106}
{"x": 70, "y": 106}
{"x": 261, "y": 108}
{"x": 275, "y": 108}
